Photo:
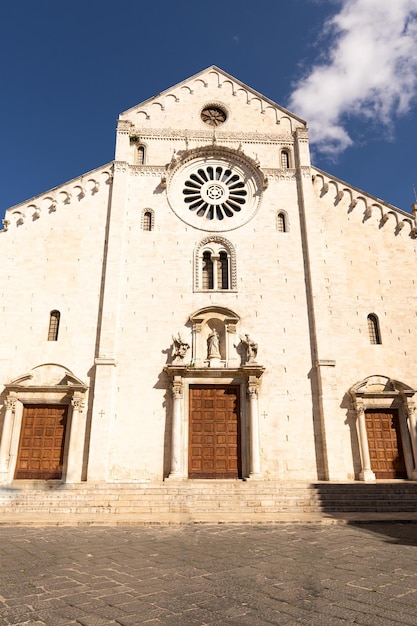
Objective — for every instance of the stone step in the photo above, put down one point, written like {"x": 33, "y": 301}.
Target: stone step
{"x": 203, "y": 501}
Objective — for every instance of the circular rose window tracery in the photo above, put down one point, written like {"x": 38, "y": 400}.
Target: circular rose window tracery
{"x": 215, "y": 190}
{"x": 213, "y": 116}
{"x": 215, "y": 193}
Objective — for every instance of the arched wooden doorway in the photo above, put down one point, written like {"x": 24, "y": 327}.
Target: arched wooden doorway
{"x": 386, "y": 424}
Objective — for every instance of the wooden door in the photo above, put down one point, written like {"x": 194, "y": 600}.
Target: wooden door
{"x": 214, "y": 432}
{"x": 41, "y": 445}
{"x": 385, "y": 446}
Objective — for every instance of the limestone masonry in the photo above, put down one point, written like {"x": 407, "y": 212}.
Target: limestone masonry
{"x": 209, "y": 305}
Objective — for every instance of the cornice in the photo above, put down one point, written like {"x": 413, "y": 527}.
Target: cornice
{"x": 164, "y": 134}
{"x": 78, "y": 189}
{"x": 329, "y": 187}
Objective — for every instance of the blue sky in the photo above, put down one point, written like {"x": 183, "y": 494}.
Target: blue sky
{"x": 347, "y": 66}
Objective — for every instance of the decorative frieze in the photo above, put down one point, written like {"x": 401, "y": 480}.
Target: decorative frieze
{"x": 164, "y": 134}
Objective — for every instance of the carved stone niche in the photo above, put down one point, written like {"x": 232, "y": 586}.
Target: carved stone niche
{"x": 206, "y": 324}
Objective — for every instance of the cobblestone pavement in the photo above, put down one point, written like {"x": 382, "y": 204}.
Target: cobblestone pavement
{"x": 215, "y": 575}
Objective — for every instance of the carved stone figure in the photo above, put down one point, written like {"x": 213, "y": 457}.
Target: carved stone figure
{"x": 251, "y": 348}
{"x": 213, "y": 345}
{"x": 181, "y": 348}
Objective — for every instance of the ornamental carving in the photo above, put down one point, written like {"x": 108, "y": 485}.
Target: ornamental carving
{"x": 221, "y": 241}
{"x": 77, "y": 404}
{"x": 215, "y": 188}
{"x": 164, "y": 134}
{"x": 252, "y": 389}
{"x": 10, "y": 403}
{"x": 177, "y": 390}
{"x": 120, "y": 166}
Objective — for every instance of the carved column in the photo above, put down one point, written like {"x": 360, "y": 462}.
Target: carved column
{"x": 76, "y": 441}
{"x": 412, "y": 426}
{"x": 255, "y": 459}
{"x": 366, "y": 473}
{"x": 177, "y": 395}
{"x": 6, "y": 435}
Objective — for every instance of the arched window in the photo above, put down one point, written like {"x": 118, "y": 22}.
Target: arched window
{"x": 223, "y": 271}
{"x": 282, "y": 222}
{"x": 285, "y": 159}
{"x": 207, "y": 271}
{"x": 141, "y": 155}
{"x": 373, "y": 329}
{"x": 54, "y": 318}
{"x": 148, "y": 219}
{"x": 214, "y": 265}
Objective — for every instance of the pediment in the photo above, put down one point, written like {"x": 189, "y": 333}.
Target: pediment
{"x": 47, "y": 375}
{"x": 243, "y": 107}
{"x": 377, "y": 384}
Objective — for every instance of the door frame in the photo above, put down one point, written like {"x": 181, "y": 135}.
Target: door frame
{"x": 247, "y": 378}
{"x": 381, "y": 392}
{"x": 45, "y": 384}
{"x": 242, "y": 417}
{"x": 395, "y": 415}
{"x": 203, "y": 385}
{"x": 64, "y": 442}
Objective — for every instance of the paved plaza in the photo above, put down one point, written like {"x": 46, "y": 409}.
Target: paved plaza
{"x": 216, "y": 575}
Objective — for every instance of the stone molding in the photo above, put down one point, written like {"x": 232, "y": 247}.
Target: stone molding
{"x": 338, "y": 190}
{"x": 232, "y": 260}
{"x": 164, "y": 134}
{"x": 59, "y": 198}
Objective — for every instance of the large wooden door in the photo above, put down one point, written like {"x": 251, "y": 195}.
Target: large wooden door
{"x": 41, "y": 445}
{"x": 214, "y": 432}
{"x": 385, "y": 446}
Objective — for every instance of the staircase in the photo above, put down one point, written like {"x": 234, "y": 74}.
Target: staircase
{"x": 205, "y": 501}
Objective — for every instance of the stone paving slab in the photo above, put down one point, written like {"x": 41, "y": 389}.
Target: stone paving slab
{"x": 211, "y": 575}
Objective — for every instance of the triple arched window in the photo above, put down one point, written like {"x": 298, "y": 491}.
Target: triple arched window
{"x": 214, "y": 265}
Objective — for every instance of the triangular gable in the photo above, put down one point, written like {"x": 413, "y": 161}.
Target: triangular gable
{"x": 212, "y": 85}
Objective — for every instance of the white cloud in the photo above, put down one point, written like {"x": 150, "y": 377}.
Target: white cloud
{"x": 369, "y": 69}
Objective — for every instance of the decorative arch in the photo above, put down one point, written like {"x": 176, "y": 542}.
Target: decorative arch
{"x": 395, "y": 400}
{"x": 215, "y": 265}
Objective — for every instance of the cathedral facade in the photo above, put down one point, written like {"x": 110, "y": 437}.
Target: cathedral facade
{"x": 209, "y": 305}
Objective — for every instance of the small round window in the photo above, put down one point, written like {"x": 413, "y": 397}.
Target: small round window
{"x": 213, "y": 116}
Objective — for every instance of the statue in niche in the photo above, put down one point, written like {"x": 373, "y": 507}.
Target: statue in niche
{"x": 181, "y": 348}
{"x": 251, "y": 348}
{"x": 213, "y": 345}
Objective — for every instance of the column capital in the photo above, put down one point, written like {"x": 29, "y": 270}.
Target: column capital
{"x": 77, "y": 403}
{"x": 410, "y": 407}
{"x": 252, "y": 389}
{"x": 10, "y": 402}
{"x": 177, "y": 389}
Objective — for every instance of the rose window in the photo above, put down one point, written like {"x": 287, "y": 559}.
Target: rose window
{"x": 215, "y": 193}
{"x": 213, "y": 116}
{"x": 215, "y": 189}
